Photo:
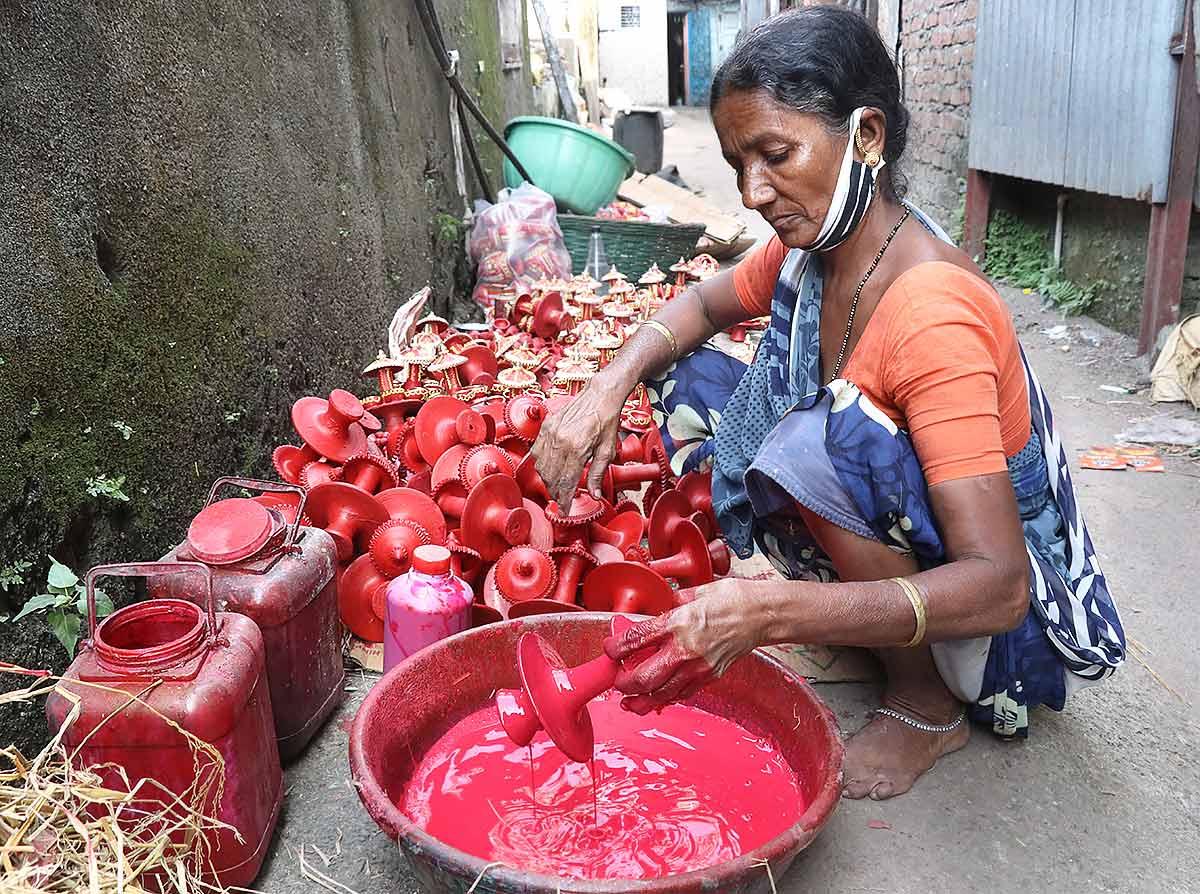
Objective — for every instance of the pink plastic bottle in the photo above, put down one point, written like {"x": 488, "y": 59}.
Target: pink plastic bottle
{"x": 424, "y": 605}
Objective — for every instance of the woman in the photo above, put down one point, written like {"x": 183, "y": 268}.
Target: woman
{"x": 888, "y": 448}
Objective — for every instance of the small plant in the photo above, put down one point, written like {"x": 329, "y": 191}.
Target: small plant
{"x": 65, "y": 604}
{"x": 13, "y": 574}
{"x": 125, "y": 430}
{"x": 446, "y": 227}
{"x": 1016, "y": 253}
{"x": 109, "y": 488}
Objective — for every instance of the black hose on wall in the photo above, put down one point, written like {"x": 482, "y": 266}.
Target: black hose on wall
{"x": 437, "y": 43}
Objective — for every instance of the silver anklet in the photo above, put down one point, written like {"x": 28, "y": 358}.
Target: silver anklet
{"x": 922, "y": 725}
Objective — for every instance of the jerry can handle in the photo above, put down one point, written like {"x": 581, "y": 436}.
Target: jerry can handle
{"x": 267, "y": 487}
{"x": 148, "y": 569}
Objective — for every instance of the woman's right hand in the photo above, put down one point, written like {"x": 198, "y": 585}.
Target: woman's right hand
{"x": 585, "y": 429}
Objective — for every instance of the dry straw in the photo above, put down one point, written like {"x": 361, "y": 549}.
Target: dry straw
{"x": 64, "y": 828}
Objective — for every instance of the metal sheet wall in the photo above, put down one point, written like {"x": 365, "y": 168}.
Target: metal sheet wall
{"x": 1077, "y": 93}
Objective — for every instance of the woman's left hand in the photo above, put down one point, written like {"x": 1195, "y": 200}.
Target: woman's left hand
{"x": 693, "y": 644}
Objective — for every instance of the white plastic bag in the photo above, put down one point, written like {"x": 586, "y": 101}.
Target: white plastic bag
{"x": 515, "y": 243}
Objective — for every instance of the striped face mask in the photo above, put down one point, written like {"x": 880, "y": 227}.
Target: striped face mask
{"x": 851, "y": 197}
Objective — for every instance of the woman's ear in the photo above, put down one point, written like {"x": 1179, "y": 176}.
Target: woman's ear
{"x": 872, "y": 130}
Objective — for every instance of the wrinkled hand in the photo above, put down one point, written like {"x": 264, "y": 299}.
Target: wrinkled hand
{"x": 585, "y": 429}
{"x": 689, "y": 646}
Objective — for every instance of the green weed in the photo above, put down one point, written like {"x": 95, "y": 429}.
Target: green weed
{"x": 64, "y": 604}
{"x": 108, "y": 488}
{"x": 1017, "y": 253}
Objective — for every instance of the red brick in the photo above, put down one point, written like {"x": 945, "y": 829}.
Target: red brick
{"x": 965, "y": 33}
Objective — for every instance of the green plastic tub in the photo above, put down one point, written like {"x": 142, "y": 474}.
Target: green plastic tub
{"x": 579, "y": 167}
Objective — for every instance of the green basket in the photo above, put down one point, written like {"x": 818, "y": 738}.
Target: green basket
{"x": 633, "y": 245}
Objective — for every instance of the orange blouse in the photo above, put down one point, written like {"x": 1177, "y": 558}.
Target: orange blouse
{"x": 939, "y": 356}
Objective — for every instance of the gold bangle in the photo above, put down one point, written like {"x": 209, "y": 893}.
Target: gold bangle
{"x": 665, "y": 333}
{"x": 918, "y": 604}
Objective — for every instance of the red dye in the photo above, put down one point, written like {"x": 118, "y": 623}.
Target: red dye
{"x": 675, "y": 792}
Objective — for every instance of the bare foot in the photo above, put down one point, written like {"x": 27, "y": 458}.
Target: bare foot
{"x": 885, "y": 757}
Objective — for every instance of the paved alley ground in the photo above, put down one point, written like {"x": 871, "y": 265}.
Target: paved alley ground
{"x": 1104, "y": 797}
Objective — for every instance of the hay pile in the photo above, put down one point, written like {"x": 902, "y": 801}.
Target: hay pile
{"x": 66, "y": 829}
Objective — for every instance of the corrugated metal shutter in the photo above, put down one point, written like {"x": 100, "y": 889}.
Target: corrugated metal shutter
{"x": 1076, "y": 92}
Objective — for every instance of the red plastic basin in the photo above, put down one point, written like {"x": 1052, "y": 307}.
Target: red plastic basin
{"x": 419, "y": 700}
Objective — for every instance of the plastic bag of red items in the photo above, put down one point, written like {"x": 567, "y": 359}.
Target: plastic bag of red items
{"x": 515, "y": 243}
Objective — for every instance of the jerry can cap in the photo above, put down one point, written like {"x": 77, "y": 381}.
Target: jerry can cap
{"x": 230, "y": 531}
{"x": 431, "y": 559}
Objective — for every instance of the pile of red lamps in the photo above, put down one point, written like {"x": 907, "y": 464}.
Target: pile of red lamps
{"x": 441, "y": 455}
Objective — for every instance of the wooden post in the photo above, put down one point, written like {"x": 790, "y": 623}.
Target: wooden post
{"x": 1166, "y": 252}
{"x": 975, "y": 215}
{"x": 569, "y": 109}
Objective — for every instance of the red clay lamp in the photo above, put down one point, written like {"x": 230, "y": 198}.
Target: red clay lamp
{"x": 369, "y": 472}
{"x": 554, "y": 697}
{"x": 391, "y": 546}
{"x": 346, "y": 513}
{"x": 481, "y": 461}
{"x": 444, "y": 422}
{"x": 494, "y": 517}
{"x": 627, "y": 587}
{"x": 331, "y": 427}
{"x": 688, "y": 560}
{"x": 288, "y": 460}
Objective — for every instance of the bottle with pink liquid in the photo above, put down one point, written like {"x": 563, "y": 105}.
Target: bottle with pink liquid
{"x": 424, "y": 605}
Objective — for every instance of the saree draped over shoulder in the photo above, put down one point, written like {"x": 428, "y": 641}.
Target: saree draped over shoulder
{"x": 773, "y": 436}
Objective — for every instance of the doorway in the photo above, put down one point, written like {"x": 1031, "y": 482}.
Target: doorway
{"x": 677, "y": 75}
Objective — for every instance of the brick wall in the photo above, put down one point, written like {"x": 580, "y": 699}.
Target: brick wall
{"x": 937, "y": 50}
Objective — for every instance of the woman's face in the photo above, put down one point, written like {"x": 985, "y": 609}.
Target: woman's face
{"x": 786, "y": 162}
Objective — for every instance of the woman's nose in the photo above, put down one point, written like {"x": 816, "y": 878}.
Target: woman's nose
{"x": 756, "y": 191}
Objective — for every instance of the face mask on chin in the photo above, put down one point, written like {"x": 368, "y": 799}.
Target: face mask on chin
{"x": 851, "y": 196}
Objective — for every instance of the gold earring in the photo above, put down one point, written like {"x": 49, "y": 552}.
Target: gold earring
{"x": 870, "y": 156}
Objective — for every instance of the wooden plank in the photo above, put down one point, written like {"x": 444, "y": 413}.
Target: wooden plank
{"x": 682, "y": 206}
{"x": 1166, "y": 253}
{"x": 975, "y": 215}
{"x": 566, "y": 99}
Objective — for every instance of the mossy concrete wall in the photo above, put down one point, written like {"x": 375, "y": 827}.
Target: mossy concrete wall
{"x": 1105, "y": 242}
{"x": 1104, "y": 246}
{"x": 206, "y": 211}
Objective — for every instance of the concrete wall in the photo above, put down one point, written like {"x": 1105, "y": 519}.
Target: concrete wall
{"x": 635, "y": 59}
{"x": 208, "y": 211}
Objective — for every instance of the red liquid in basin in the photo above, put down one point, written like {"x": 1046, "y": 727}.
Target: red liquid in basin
{"x": 675, "y": 792}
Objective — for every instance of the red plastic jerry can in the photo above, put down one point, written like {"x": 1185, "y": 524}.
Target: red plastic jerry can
{"x": 202, "y": 670}
{"x": 271, "y": 568}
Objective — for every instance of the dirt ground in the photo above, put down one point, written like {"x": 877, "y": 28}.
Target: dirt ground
{"x": 1103, "y": 797}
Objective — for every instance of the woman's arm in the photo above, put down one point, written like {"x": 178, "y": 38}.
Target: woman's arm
{"x": 587, "y": 429}
{"x": 981, "y": 590}
{"x": 694, "y": 317}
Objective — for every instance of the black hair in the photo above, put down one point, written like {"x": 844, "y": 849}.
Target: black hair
{"x": 823, "y": 60}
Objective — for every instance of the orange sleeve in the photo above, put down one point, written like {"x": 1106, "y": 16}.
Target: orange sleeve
{"x": 754, "y": 277}
{"x": 942, "y": 367}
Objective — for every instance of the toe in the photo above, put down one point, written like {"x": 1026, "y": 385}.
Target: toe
{"x": 881, "y": 791}
{"x": 857, "y": 789}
